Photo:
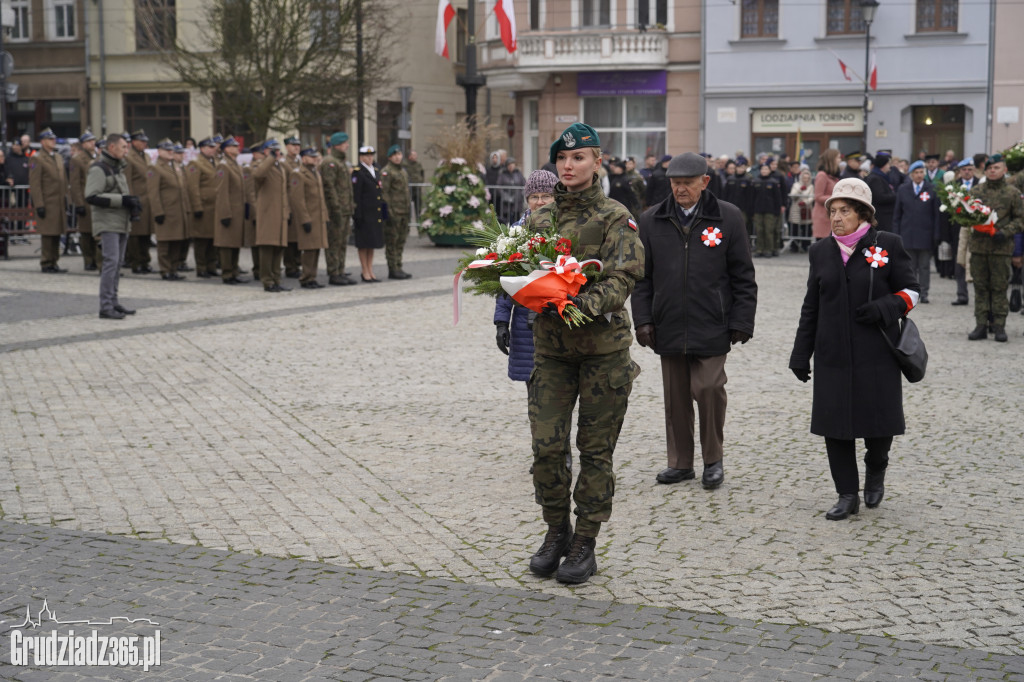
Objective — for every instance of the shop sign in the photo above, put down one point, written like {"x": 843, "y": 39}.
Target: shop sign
{"x": 619, "y": 83}
{"x": 829, "y": 120}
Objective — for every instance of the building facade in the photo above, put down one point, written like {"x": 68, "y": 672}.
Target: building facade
{"x": 1007, "y": 76}
{"x": 773, "y": 77}
{"x": 629, "y": 68}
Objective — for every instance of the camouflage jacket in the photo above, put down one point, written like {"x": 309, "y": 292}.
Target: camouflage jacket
{"x": 599, "y": 228}
{"x": 337, "y": 177}
{"x": 394, "y": 185}
{"x": 1003, "y": 198}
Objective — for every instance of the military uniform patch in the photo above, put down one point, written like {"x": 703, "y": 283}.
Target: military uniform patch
{"x": 568, "y": 140}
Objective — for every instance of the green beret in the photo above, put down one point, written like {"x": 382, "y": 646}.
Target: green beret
{"x": 338, "y": 138}
{"x": 995, "y": 158}
{"x": 394, "y": 149}
{"x": 574, "y": 137}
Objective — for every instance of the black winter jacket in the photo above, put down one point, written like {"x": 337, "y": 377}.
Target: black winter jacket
{"x": 694, "y": 293}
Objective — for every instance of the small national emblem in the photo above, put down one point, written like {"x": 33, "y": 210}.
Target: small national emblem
{"x": 711, "y": 237}
{"x": 568, "y": 140}
{"x": 876, "y": 256}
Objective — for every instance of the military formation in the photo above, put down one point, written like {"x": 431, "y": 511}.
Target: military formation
{"x": 286, "y": 206}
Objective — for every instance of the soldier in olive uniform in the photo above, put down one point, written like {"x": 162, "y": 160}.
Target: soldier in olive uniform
{"x": 309, "y": 212}
{"x": 48, "y": 186}
{"x": 168, "y": 197}
{"x": 589, "y": 363}
{"x": 271, "y": 180}
{"x": 80, "y": 163}
{"x": 202, "y": 195}
{"x": 337, "y": 179}
{"x": 229, "y": 212}
{"x": 249, "y": 186}
{"x": 137, "y": 256}
{"x": 394, "y": 185}
{"x": 992, "y": 250}
{"x": 291, "y": 161}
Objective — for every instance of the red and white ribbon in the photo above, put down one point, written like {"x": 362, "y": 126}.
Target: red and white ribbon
{"x": 924, "y": 196}
{"x": 876, "y": 256}
{"x": 570, "y": 264}
{"x": 711, "y": 236}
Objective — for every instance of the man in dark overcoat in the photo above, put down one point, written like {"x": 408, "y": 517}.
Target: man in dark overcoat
{"x": 698, "y": 269}
{"x": 916, "y": 219}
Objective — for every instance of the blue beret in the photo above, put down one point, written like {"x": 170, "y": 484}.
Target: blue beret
{"x": 914, "y": 166}
{"x": 966, "y": 162}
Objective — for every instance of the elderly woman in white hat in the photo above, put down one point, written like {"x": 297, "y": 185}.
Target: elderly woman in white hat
{"x": 861, "y": 283}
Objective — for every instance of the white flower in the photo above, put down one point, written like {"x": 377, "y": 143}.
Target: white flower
{"x": 478, "y": 225}
{"x": 481, "y": 252}
{"x": 480, "y": 167}
{"x": 458, "y": 161}
{"x": 516, "y": 231}
{"x": 441, "y": 163}
{"x": 427, "y": 223}
{"x": 942, "y": 208}
{"x": 445, "y": 210}
{"x": 474, "y": 201}
{"x": 948, "y": 176}
{"x": 473, "y": 179}
{"x": 448, "y": 189}
{"x": 487, "y": 194}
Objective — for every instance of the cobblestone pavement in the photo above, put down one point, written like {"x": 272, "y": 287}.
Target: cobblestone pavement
{"x": 355, "y": 426}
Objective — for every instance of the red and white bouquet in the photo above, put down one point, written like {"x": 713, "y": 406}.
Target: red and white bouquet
{"x": 964, "y": 209}
{"x": 534, "y": 268}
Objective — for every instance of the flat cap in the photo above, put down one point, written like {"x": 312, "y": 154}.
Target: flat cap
{"x": 687, "y": 165}
{"x": 574, "y": 137}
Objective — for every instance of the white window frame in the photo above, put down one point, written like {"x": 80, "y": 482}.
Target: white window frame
{"x": 492, "y": 31}
{"x": 633, "y": 13}
{"x": 51, "y": 9}
{"x": 531, "y": 135}
{"x": 542, "y": 18}
{"x": 577, "y": 15}
{"x": 624, "y": 130}
{"x": 22, "y": 9}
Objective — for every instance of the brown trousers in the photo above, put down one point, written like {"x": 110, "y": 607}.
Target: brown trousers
{"x": 291, "y": 257}
{"x": 90, "y": 247}
{"x": 270, "y": 265}
{"x": 310, "y": 261}
{"x": 170, "y": 254}
{"x": 228, "y": 262}
{"x": 49, "y": 252}
{"x": 206, "y": 255}
{"x": 688, "y": 379}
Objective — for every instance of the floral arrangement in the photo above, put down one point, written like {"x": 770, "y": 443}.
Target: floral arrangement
{"x": 1014, "y": 157}
{"x": 457, "y": 200}
{"x": 964, "y": 209}
{"x": 536, "y": 269}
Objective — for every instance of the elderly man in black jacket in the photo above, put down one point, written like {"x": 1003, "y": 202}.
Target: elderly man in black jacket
{"x": 697, "y": 298}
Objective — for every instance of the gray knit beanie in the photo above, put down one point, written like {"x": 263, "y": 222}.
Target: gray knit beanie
{"x": 540, "y": 182}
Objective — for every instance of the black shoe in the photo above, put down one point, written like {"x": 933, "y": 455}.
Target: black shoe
{"x": 999, "y": 334}
{"x": 846, "y": 505}
{"x": 112, "y": 314}
{"x": 121, "y": 309}
{"x": 172, "y": 276}
{"x": 713, "y": 476}
{"x": 341, "y": 280}
{"x": 372, "y": 280}
{"x": 924, "y": 300}
{"x": 312, "y": 284}
{"x": 671, "y": 475}
{"x": 52, "y": 270}
{"x": 874, "y": 487}
{"x": 980, "y": 332}
{"x": 580, "y": 563}
{"x": 144, "y": 270}
{"x": 292, "y": 274}
{"x": 959, "y": 301}
{"x": 91, "y": 267}
{"x": 185, "y": 268}
{"x": 555, "y": 546}
{"x": 398, "y": 274}
{"x": 203, "y": 274}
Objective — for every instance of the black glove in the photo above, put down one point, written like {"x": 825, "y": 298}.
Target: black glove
{"x": 502, "y": 336}
{"x": 645, "y": 335}
{"x": 41, "y": 211}
{"x": 247, "y": 210}
{"x": 226, "y": 222}
{"x": 883, "y": 311}
{"x": 130, "y": 201}
{"x": 307, "y": 227}
{"x": 999, "y": 237}
{"x": 159, "y": 220}
{"x": 802, "y": 373}
{"x": 197, "y": 214}
{"x": 551, "y": 310}
{"x": 736, "y": 336}
{"x": 80, "y": 210}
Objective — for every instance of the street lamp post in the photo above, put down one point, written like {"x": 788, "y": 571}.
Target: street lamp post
{"x": 867, "y": 12}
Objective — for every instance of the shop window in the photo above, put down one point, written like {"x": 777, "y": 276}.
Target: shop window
{"x": 844, "y": 17}
{"x": 628, "y": 126}
{"x": 760, "y": 19}
{"x": 937, "y": 15}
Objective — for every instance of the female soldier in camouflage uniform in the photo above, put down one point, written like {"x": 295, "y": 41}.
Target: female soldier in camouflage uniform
{"x": 590, "y": 363}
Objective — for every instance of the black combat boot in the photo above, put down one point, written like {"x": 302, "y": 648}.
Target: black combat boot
{"x": 999, "y": 334}
{"x": 580, "y": 564}
{"x": 556, "y": 545}
{"x": 980, "y": 332}
{"x": 874, "y": 487}
{"x": 846, "y": 505}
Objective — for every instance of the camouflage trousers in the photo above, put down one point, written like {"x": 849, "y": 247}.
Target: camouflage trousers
{"x": 396, "y": 231}
{"x": 338, "y": 230}
{"x": 601, "y": 384}
{"x": 991, "y": 273}
{"x": 767, "y": 232}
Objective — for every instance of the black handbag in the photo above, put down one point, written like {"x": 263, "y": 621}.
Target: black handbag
{"x": 1015, "y": 291}
{"x": 909, "y": 350}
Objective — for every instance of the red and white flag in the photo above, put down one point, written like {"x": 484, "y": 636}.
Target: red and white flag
{"x": 842, "y": 65}
{"x": 873, "y": 74}
{"x": 445, "y": 12}
{"x": 506, "y": 15}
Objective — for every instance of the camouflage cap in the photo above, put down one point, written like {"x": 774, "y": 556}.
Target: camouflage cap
{"x": 574, "y": 137}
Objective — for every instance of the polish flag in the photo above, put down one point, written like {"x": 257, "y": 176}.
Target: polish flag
{"x": 506, "y": 15}
{"x": 842, "y": 65}
{"x": 444, "y": 17}
{"x": 873, "y": 74}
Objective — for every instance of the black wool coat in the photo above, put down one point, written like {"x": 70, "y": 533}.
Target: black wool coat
{"x": 883, "y": 198}
{"x": 915, "y": 220}
{"x": 695, "y": 294}
{"x": 368, "y": 218}
{"x": 858, "y": 387}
